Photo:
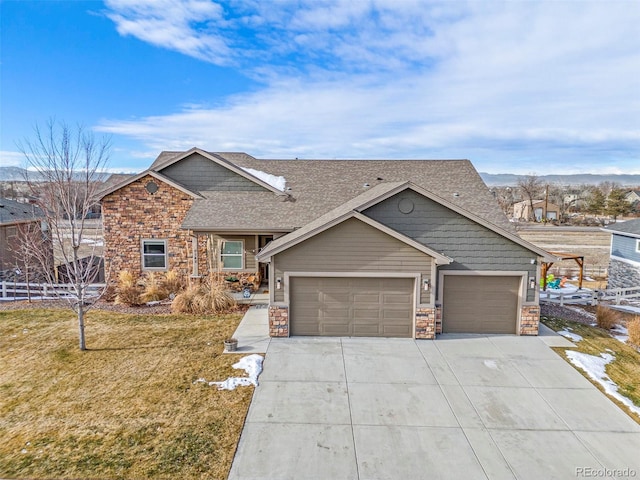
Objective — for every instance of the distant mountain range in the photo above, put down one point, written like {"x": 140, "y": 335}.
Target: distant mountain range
{"x": 17, "y": 174}
{"x": 8, "y": 174}
{"x": 510, "y": 179}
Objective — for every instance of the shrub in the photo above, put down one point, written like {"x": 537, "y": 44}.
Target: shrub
{"x": 109, "y": 294}
{"x": 203, "y": 299}
{"x": 154, "y": 289}
{"x": 634, "y": 331}
{"x": 605, "y": 317}
{"x": 183, "y": 303}
{"x": 127, "y": 291}
{"x": 173, "y": 282}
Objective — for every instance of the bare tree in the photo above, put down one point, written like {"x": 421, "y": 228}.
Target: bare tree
{"x": 66, "y": 165}
{"x": 530, "y": 186}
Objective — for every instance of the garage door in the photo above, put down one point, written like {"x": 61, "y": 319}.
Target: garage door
{"x": 364, "y": 307}
{"x": 480, "y": 304}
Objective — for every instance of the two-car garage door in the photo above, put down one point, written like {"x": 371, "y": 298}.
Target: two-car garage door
{"x": 383, "y": 307}
{"x": 347, "y": 306}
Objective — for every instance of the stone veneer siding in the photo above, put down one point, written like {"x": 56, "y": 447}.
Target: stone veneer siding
{"x": 132, "y": 213}
{"x": 623, "y": 274}
{"x": 278, "y": 321}
{"x": 426, "y": 323}
{"x": 529, "y": 320}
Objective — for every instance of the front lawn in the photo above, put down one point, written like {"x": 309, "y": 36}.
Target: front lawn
{"x": 127, "y": 407}
{"x": 624, "y": 370}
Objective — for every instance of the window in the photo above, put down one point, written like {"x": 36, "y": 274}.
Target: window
{"x": 231, "y": 255}
{"x": 154, "y": 254}
{"x": 12, "y": 232}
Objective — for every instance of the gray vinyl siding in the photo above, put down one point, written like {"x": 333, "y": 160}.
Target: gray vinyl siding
{"x": 352, "y": 246}
{"x": 470, "y": 245}
{"x": 201, "y": 174}
{"x": 625, "y": 247}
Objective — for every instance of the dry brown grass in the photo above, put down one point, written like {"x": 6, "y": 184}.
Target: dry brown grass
{"x": 606, "y": 317}
{"x": 127, "y": 407}
{"x": 128, "y": 292}
{"x": 624, "y": 370}
{"x": 173, "y": 282}
{"x": 203, "y": 299}
{"x": 153, "y": 288}
{"x": 633, "y": 326}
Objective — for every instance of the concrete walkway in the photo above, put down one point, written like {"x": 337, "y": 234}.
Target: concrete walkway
{"x": 253, "y": 331}
{"x": 460, "y": 407}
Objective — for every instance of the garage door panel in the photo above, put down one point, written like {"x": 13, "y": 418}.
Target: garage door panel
{"x": 345, "y": 306}
{"x": 480, "y": 304}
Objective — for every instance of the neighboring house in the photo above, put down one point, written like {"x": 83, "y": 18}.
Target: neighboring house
{"x": 633, "y": 197}
{"x": 15, "y": 218}
{"x": 396, "y": 248}
{"x": 541, "y": 209}
{"x": 624, "y": 265}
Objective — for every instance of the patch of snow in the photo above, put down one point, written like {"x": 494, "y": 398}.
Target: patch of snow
{"x": 582, "y": 312}
{"x": 251, "y": 364}
{"x": 626, "y": 308}
{"x": 595, "y": 367}
{"x": 275, "y": 181}
{"x": 571, "y": 336}
{"x": 620, "y": 333}
{"x": 491, "y": 364}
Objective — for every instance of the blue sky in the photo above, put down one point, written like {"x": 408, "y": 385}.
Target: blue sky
{"x": 516, "y": 87}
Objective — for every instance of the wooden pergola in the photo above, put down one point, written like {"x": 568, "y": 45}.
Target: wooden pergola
{"x": 545, "y": 266}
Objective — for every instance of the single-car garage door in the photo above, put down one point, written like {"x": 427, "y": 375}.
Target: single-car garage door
{"x": 480, "y": 304}
{"x": 365, "y": 307}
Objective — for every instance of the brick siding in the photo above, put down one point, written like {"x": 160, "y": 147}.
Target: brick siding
{"x": 529, "y": 320}
{"x": 278, "y": 321}
{"x": 132, "y": 213}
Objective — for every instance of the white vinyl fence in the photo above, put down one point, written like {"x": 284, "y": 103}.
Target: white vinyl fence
{"x": 21, "y": 290}
{"x": 590, "y": 297}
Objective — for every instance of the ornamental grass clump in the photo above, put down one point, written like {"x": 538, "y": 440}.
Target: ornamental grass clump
{"x": 173, "y": 282}
{"x": 154, "y": 288}
{"x": 128, "y": 291}
{"x": 204, "y": 299}
{"x": 605, "y": 317}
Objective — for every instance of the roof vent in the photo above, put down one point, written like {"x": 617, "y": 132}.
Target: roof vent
{"x": 366, "y": 185}
{"x": 456, "y": 194}
{"x": 379, "y": 179}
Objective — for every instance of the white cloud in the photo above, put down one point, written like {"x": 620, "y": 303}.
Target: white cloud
{"x": 510, "y": 85}
{"x": 11, "y": 159}
{"x": 191, "y": 27}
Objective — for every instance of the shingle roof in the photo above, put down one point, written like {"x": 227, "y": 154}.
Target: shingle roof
{"x": 16, "y": 212}
{"x": 318, "y": 186}
{"x": 364, "y": 200}
{"x": 629, "y": 227}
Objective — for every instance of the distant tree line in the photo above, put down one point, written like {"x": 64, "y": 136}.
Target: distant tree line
{"x": 576, "y": 204}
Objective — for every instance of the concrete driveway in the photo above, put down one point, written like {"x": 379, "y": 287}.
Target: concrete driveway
{"x": 460, "y": 407}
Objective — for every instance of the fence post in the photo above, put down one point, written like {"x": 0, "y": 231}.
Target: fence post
{"x": 4, "y": 289}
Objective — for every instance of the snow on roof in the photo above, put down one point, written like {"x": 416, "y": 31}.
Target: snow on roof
{"x": 275, "y": 181}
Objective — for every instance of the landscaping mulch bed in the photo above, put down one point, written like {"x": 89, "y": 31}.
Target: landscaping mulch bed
{"x": 161, "y": 309}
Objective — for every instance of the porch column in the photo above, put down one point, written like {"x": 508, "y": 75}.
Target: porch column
{"x": 194, "y": 255}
